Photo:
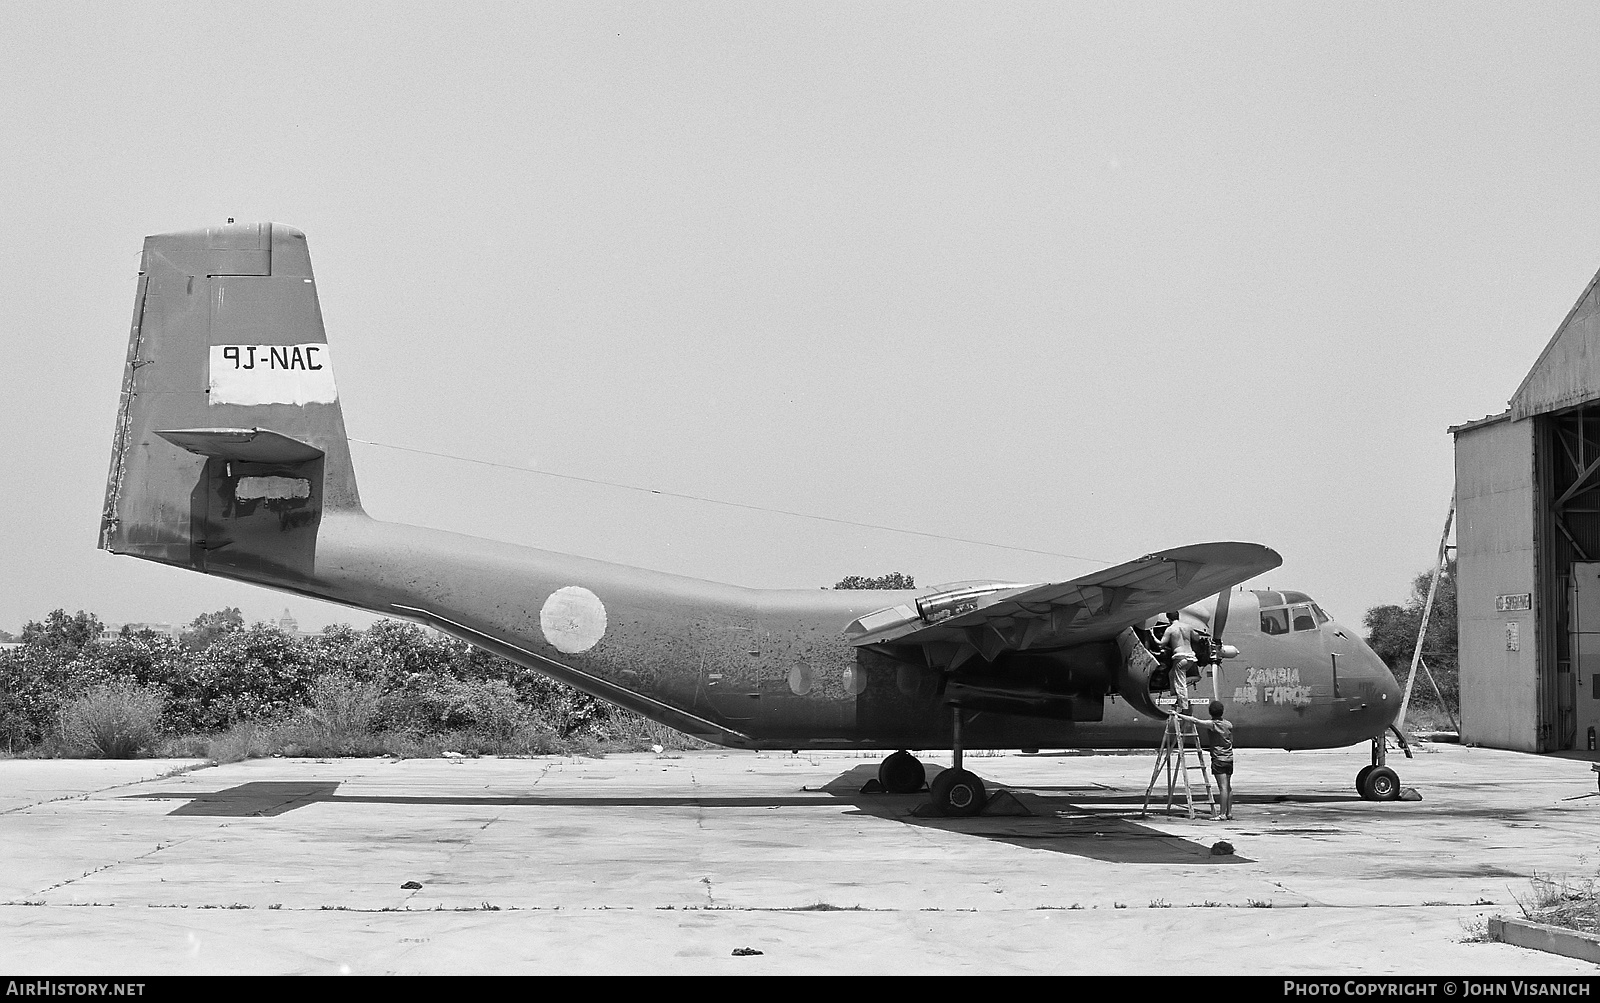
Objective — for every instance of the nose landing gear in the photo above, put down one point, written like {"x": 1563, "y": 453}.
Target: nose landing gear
{"x": 1377, "y": 782}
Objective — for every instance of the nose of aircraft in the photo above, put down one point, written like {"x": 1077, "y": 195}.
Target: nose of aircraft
{"x": 1384, "y": 705}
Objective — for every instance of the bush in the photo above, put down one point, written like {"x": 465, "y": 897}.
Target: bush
{"x": 259, "y": 674}
{"x": 342, "y": 708}
{"x": 113, "y": 720}
{"x": 435, "y": 703}
{"x": 235, "y": 692}
{"x": 243, "y": 741}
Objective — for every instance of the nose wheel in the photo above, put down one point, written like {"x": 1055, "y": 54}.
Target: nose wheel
{"x": 1378, "y": 783}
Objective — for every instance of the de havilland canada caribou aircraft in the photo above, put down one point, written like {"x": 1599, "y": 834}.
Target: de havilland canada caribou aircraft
{"x": 230, "y": 458}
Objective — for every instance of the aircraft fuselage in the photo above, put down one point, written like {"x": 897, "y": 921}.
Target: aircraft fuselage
{"x": 769, "y": 668}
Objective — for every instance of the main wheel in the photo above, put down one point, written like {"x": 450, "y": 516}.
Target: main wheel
{"x": 957, "y": 793}
{"x": 1361, "y": 779}
{"x": 902, "y": 773}
{"x": 1382, "y": 784}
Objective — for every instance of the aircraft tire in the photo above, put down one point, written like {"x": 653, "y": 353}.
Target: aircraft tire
{"x": 902, "y": 773}
{"x": 1361, "y": 779}
{"x": 1382, "y": 784}
{"x": 958, "y": 793}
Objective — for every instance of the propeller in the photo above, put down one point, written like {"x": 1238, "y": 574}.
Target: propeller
{"x": 1219, "y": 621}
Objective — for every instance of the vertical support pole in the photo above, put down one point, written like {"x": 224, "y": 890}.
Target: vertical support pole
{"x": 1427, "y": 611}
{"x": 955, "y": 737}
{"x": 1440, "y": 694}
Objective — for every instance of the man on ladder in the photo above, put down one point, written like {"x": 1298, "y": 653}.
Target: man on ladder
{"x": 1221, "y": 752}
{"x": 1177, "y": 649}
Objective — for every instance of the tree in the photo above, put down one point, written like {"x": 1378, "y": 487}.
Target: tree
{"x": 61, "y": 636}
{"x": 1392, "y": 634}
{"x": 56, "y": 661}
{"x": 207, "y": 627}
{"x": 257, "y": 674}
{"x": 893, "y": 580}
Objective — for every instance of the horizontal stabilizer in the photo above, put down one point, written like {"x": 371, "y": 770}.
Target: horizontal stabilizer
{"x": 248, "y": 445}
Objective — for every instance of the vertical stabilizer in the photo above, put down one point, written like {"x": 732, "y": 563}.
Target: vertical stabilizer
{"x": 230, "y": 444}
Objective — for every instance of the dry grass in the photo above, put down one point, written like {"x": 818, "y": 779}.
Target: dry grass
{"x": 1556, "y": 900}
{"x": 1427, "y": 718}
{"x": 339, "y": 726}
{"x": 347, "y": 716}
{"x": 112, "y": 721}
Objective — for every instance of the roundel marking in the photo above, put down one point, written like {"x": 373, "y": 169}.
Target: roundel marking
{"x": 573, "y": 619}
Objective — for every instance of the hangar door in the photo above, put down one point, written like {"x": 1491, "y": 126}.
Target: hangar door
{"x": 1584, "y": 624}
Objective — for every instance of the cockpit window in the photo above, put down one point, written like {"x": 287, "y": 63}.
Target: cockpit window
{"x": 1274, "y": 621}
{"x": 1321, "y": 616}
{"x": 1303, "y": 620}
{"x": 1265, "y": 599}
{"x": 1294, "y": 597}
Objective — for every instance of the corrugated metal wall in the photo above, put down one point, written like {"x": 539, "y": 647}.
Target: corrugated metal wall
{"x": 1495, "y": 556}
{"x": 1567, "y": 373}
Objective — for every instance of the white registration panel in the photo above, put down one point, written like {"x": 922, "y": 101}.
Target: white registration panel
{"x": 271, "y": 374}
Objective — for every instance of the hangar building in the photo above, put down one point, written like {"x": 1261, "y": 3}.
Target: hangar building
{"x": 1528, "y": 551}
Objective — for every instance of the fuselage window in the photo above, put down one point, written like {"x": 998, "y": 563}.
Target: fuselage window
{"x": 1303, "y": 620}
{"x": 1274, "y": 621}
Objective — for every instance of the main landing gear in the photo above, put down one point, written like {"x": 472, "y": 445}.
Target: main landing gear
{"x": 1377, "y": 782}
{"x": 902, "y": 773}
{"x": 954, "y": 792}
{"x": 957, "y": 793}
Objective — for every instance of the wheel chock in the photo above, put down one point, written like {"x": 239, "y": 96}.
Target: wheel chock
{"x": 1409, "y": 794}
{"x": 1001, "y": 803}
{"x": 872, "y": 786}
{"x": 1005, "y": 803}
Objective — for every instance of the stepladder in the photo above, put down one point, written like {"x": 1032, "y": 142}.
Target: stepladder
{"x": 1178, "y": 758}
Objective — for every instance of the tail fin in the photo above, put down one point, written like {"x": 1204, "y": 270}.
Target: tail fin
{"x": 230, "y": 444}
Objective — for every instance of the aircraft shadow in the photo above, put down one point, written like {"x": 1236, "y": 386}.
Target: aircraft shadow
{"x": 1093, "y": 822}
{"x": 268, "y": 798}
{"x": 1063, "y": 821}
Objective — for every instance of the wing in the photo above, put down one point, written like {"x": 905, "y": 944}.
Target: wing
{"x": 1062, "y": 614}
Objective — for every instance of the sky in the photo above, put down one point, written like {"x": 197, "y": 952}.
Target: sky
{"x": 1087, "y": 279}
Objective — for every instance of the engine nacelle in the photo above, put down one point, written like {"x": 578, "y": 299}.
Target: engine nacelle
{"x": 1135, "y": 670}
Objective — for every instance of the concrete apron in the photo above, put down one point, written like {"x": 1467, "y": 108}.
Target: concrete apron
{"x": 639, "y": 863}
